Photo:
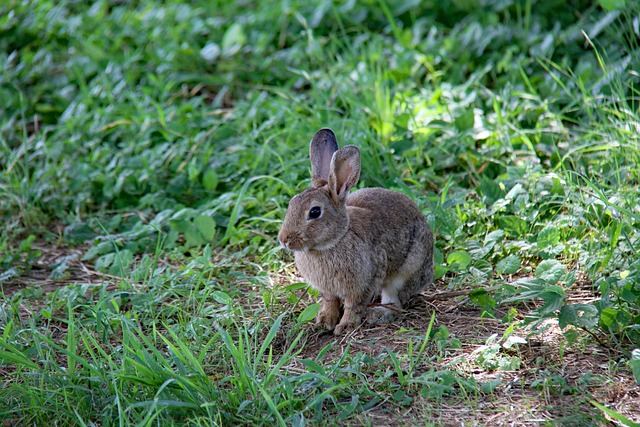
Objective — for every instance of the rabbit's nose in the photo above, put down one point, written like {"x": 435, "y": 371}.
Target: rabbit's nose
{"x": 283, "y": 238}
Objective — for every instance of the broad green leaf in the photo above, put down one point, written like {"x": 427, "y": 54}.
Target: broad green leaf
{"x": 492, "y": 238}
{"x": 611, "y": 5}
{"x": 121, "y": 263}
{"x": 578, "y": 315}
{"x": 509, "y": 363}
{"x": 558, "y": 187}
{"x": 554, "y": 297}
{"x": 459, "y": 260}
{"x": 476, "y": 249}
{"x": 402, "y": 145}
{"x": 60, "y": 270}
{"x": 222, "y": 297}
{"x": 296, "y": 286}
{"x": 550, "y": 271}
{"x": 401, "y": 398}
{"x": 25, "y": 245}
{"x": 513, "y": 225}
{"x": 490, "y": 386}
{"x": 402, "y": 121}
{"x": 481, "y": 298}
{"x": 509, "y": 265}
{"x": 629, "y": 294}
{"x": 78, "y": 232}
{"x": 99, "y": 249}
{"x": 309, "y": 313}
{"x": 482, "y": 268}
{"x": 206, "y": 226}
{"x": 567, "y": 316}
{"x": 103, "y": 262}
{"x": 181, "y": 226}
{"x": 490, "y": 190}
{"x": 193, "y": 237}
{"x": 465, "y": 120}
{"x": 608, "y": 316}
{"x": 233, "y": 39}
{"x": 439, "y": 272}
{"x": 442, "y": 333}
{"x": 569, "y": 279}
{"x": 571, "y": 335}
{"x": 210, "y": 180}
{"x": 549, "y": 236}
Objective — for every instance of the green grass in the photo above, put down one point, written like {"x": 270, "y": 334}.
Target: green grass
{"x": 148, "y": 152}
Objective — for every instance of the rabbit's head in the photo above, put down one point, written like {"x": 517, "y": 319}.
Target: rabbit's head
{"x": 317, "y": 218}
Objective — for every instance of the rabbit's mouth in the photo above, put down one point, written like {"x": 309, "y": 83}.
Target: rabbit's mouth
{"x": 296, "y": 242}
{"x": 304, "y": 247}
{"x": 292, "y": 242}
{"x": 295, "y": 248}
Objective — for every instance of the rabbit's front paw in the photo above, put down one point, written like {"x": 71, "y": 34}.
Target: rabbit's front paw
{"x": 329, "y": 313}
{"x": 328, "y": 320}
{"x": 351, "y": 319}
{"x": 344, "y": 328}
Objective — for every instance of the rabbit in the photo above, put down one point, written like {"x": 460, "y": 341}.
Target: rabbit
{"x": 355, "y": 246}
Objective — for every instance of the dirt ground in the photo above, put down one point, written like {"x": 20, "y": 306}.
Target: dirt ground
{"x": 38, "y": 278}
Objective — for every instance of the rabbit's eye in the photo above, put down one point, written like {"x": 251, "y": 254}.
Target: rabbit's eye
{"x": 315, "y": 212}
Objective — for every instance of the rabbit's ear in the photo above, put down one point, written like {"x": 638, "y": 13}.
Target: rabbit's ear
{"x": 322, "y": 147}
{"x": 345, "y": 171}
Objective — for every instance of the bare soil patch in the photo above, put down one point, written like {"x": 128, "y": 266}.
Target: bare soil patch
{"x": 39, "y": 275}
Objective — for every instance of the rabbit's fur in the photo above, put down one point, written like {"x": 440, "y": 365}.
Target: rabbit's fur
{"x": 353, "y": 247}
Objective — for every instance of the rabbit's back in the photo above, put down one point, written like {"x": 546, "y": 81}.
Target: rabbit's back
{"x": 393, "y": 224}
{"x": 386, "y": 203}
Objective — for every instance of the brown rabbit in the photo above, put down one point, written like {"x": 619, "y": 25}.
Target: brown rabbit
{"x": 353, "y": 247}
